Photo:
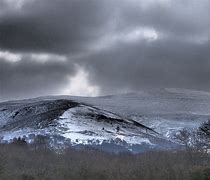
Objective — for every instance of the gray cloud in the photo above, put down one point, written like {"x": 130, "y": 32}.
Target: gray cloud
{"x": 27, "y": 78}
{"x": 62, "y": 26}
{"x": 142, "y": 65}
{"x": 179, "y": 17}
{"x": 109, "y": 39}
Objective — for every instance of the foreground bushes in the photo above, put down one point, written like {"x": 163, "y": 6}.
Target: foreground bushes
{"x": 202, "y": 173}
{"x": 21, "y": 162}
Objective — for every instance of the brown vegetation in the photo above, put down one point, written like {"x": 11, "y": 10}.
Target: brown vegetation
{"x": 19, "y": 161}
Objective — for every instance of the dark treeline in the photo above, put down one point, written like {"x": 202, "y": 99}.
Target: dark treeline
{"x": 19, "y": 161}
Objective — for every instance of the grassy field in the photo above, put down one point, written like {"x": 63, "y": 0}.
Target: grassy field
{"x": 22, "y": 162}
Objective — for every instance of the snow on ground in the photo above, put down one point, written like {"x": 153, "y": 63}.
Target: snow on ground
{"x": 76, "y": 125}
{"x": 154, "y": 102}
{"x": 165, "y": 110}
{"x": 25, "y": 132}
{"x": 168, "y": 126}
{"x": 81, "y": 125}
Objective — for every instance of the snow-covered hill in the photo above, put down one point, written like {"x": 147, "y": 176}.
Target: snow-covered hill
{"x": 165, "y": 110}
{"x": 134, "y": 120}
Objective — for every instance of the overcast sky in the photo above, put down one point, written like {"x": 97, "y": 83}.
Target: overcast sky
{"x": 98, "y": 47}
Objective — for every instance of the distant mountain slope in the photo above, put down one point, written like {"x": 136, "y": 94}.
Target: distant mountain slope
{"x": 156, "y": 102}
{"x": 165, "y": 110}
{"x": 147, "y": 118}
{"x": 73, "y": 122}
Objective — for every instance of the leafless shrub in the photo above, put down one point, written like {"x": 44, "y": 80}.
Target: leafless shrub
{"x": 27, "y": 163}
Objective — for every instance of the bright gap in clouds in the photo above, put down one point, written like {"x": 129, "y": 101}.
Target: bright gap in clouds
{"x": 129, "y": 36}
{"x": 36, "y": 57}
{"x": 10, "y": 57}
{"x": 43, "y": 58}
{"x": 79, "y": 85}
{"x": 141, "y": 33}
{"x": 17, "y": 4}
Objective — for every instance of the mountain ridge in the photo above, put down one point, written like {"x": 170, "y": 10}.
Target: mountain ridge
{"x": 148, "y": 119}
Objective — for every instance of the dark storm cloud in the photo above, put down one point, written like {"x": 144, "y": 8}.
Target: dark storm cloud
{"x": 27, "y": 78}
{"x": 178, "y": 58}
{"x": 143, "y": 65}
{"x": 178, "y": 17}
{"x": 70, "y": 26}
{"x": 104, "y": 37}
{"x": 62, "y": 26}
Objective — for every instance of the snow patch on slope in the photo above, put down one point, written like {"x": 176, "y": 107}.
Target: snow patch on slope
{"x": 78, "y": 125}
